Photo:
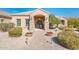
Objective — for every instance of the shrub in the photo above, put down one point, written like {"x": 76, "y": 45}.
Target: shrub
{"x": 74, "y": 21}
{"x": 71, "y": 26}
{"x": 69, "y": 39}
{"x": 61, "y": 28}
{"x": 68, "y": 28}
{"x": 3, "y": 27}
{"x": 53, "y": 20}
{"x": 6, "y": 26}
{"x": 15, "y": 32}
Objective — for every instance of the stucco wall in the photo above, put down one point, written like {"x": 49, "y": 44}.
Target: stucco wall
{"x": 23, "y": 22}
{"x": 32, "y": 25}
{"x": 5, "y": 20}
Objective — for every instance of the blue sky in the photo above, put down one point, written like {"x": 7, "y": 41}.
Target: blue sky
{"x": 66, "y": 12}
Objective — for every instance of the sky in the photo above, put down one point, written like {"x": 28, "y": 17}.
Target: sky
{"x": 65, "y": 12}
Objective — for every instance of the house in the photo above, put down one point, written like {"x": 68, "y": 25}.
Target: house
{"x": 4, "y": 17}
{"x": 63, "y": 21}
{"x": 31, "y": 20}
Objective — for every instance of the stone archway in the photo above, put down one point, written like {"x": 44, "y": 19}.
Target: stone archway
{"x": 39, "y": 21}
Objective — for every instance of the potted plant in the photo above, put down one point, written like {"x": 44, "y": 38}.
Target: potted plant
{"x": 29, "y": 34}
{"x": 49, "y": 33}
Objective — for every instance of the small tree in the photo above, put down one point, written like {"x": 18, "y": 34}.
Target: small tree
{"x": 53, "y": 20}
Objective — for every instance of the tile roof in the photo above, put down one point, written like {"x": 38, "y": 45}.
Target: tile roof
{"x": 4, "y": 14}
{"x": 23, "y": 13}
{"x": 29, "y": 12}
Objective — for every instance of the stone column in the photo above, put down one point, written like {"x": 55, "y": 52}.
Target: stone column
{"x": 46, "y": 23}
{"x": 66, "y": 22}
{"x": 32, "y": 26}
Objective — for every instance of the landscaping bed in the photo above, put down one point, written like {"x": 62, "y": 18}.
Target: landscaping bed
{"x": 49, "y": 34}
{"x": 4, "y": 27}
{"x": 69, "y": 39}
{"x": 15, "y": 32}
{"x": 29, "y": 34}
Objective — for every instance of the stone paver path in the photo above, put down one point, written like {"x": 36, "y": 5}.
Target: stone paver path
{"x": 42, "y": 42}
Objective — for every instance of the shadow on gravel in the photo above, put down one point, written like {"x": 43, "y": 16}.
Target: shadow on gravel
{"x": 56, "y": 40}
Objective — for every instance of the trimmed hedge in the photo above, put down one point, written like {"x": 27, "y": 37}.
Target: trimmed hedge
{"x": 15, "y": 32}
{"x": 69, "y": 39}
{"x": 6, "y": 26}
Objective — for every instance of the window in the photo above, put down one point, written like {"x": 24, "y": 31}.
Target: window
{"x": 63, "y": 22}
{"x": 2, "y": 20}
{"x": 27, "y": 22}
{"x": 18, "y": 22}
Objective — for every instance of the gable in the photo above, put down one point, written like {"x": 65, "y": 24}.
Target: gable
{"x": 37, "y": 11}
{"x": 40, "y": 11}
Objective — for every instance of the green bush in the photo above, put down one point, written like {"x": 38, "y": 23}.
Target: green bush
{"x": 69, "y": 39}
{"x": 3, "y": 27}
{"x": 6, "y": 26}
{"x": 74, "y": 21}
{"x": 68, "y": 29}
{"x": 15, "y": 32}
{"x": 53, "y": 20}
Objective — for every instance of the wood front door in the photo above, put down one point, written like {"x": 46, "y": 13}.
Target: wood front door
{"x": 39, "y": 24}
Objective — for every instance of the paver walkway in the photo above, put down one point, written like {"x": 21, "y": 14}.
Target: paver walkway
{"x": 38, "y": 42}
{"x": 42, "y": 42}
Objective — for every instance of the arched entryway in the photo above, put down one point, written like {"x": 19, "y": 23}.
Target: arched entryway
{"x": 39, "y": 24}
{"x": 39, "y": 21}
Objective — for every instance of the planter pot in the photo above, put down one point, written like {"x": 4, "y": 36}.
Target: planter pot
{"x": 29, "y": 34}
{"x": 49, "y": 33}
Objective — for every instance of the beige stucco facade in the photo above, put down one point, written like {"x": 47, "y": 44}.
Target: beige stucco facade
{"x": 40, "y": 12}
{"x": 5, "y": 21}
{"x": 30, "y": 16}
{"x": 19, "y": 17}
{"x": 38, "y": 19}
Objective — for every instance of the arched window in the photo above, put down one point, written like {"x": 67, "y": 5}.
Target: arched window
{"x": 63, "y": 22}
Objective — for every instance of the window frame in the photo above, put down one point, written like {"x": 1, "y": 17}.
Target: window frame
{"x": 18, "y": 22}
{"x": 1, "y": 20}
{"x": 27, "y": 22}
